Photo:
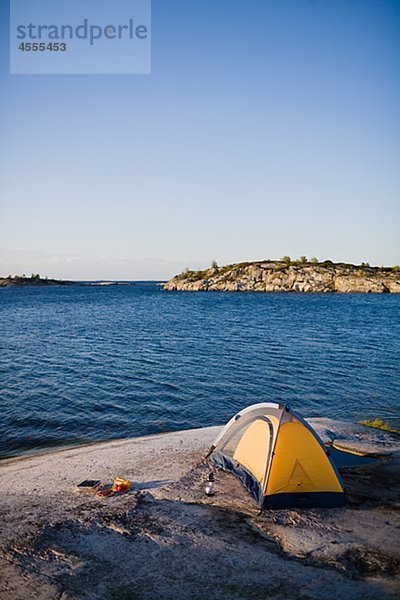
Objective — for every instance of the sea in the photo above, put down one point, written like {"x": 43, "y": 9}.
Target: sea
{"x": 86, "y": 363}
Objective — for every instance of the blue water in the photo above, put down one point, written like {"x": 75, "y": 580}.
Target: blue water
{"x": 92, "y": 363}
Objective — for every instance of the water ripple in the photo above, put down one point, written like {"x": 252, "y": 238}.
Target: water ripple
{"x": 80, "y": 364}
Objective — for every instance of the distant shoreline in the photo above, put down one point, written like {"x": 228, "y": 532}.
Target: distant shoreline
{"x": 36, "y": 281}
{"x": 33, "y": 280}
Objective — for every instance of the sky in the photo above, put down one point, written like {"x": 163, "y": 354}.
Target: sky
{"x": 266, "y": 128}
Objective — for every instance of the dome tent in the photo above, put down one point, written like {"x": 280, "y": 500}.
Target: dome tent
{"x": 278, "y": 457}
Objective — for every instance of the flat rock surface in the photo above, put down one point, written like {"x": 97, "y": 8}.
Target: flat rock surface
{"x": 167, "y": 539}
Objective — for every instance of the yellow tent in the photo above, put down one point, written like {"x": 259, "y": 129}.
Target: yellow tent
{"x": 279, "y": 458}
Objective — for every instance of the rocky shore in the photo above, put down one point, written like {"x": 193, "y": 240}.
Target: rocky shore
{"x": 166, "y": 539}
{"x": 280, "y": 276}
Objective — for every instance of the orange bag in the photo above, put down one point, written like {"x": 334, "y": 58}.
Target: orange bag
{"x": 121, "y": 485}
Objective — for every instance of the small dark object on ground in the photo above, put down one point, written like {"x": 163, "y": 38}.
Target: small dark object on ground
{"x": 89, "y": 485}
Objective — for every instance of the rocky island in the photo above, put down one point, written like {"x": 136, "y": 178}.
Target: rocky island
{"x": 288, "y": 275}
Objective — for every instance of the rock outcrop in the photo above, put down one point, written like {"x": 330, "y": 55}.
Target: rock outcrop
{"x": 278, "y": 276}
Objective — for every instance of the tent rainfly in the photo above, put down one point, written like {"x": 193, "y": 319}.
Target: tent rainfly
{"x": 278, "y": 457}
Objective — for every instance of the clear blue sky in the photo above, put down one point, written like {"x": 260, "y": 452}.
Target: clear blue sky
{"x": 267, "y": 127}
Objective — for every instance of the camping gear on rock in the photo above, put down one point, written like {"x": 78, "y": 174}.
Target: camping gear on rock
{"x": 89, "y": 485}
{"x": 121, "y": 485}
{"x": 278, "y": 457}
{"x": 106, "y": 490}
{"x": 209, "y": 489}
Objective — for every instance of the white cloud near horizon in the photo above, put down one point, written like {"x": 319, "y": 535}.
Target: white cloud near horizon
{"x": 60, "y": 265}
{"x": 23, "y": 260}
